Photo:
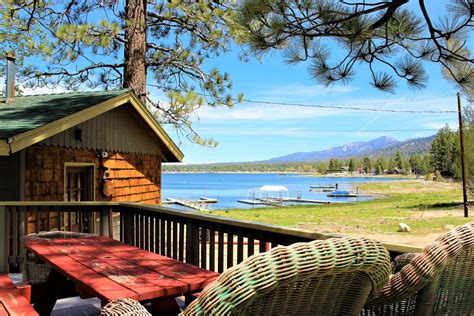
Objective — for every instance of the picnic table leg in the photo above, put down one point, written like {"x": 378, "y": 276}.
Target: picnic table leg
{"x": 165, "y": 306}
{"x": 189, "y": 298}
{"x": 55, "y": 284}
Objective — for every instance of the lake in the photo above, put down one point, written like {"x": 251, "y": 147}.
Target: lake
{"x": 230, "y": 187}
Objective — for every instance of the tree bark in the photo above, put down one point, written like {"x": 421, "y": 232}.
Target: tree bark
{"x": 135, "y": 48}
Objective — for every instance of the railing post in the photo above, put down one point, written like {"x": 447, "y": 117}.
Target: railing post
{"x": 127, "y": 226}
{"x": 106, "y": 225}
{"x": 3, "y": 241}
{"x": 23, "y": 227}
{"x": 192, "y": 243}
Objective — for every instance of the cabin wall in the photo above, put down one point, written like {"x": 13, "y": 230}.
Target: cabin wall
{"x": 10, "y": 177}
{"x": 119, "y": 130}
{"x": 134, "y": 177}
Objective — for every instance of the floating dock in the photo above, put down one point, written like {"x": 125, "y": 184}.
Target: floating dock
{"x": 254, "y": 202}
{"x": 323, "y": 188}
{"x": 280, "y": 201}
{"x": 199, "y": 205}
{"x": 306, "y": 201}
{"x": 208, "y": 200}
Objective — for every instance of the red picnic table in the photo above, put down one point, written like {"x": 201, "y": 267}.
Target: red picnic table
{"x": 108, "y": 269}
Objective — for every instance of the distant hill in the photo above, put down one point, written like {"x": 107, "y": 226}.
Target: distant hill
{"x": 356, "y": 149}
{"x": 407, "y": 148}
{"x": 382, "y": 146}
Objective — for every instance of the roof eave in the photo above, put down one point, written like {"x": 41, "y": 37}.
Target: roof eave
{"x": 175, "y": 154}
{"x": 20, "y": 141}
{"x": 4, "y": 148}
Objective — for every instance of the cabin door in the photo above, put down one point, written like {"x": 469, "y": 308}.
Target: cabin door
{"x": 79, "y": 187}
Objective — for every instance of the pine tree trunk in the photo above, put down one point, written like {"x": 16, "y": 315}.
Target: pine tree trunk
{"x": 135, "y": 47}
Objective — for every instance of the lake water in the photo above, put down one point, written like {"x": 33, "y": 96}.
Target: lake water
{"x": 230, "y": 187}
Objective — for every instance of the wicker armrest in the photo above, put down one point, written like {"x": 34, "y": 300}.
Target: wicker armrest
{"x": 125, "y": 307}
{"x": 402, "y": 260}
{"x": 414, "y": 287}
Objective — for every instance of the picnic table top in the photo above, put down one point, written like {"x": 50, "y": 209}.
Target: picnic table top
{"x": 12, "y": 302}
{"x": 109, "y": 269}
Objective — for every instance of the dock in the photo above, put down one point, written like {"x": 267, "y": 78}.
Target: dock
{"x": 324, "y": 188}
{"x": 327, "y": 189}
{"x": 305, "y": 201}
{"x": 254, "y": 202}
{"x": 199, "y": 205}
{"x": 207, "y": 200}
{"x": 280, "y": 201}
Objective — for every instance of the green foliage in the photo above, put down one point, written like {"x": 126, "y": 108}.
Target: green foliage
{"x": 334, "y": 165}
{"x": 380, "y": 165}
{"x": 391, "y": 40}
{"x": 416, "y": 165}
{"x": 378, "y": 170}
{"x": 367, "y": 165}
{"x": 79, "y": 44}
{"x": 469, "y": 146}
{"x": 352, "y": 165}
{"x": 398, "y": 161}
{"x": 444, "y": 152}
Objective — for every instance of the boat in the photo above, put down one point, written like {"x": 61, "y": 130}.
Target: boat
{"x": 342, "y": 193}
{"x": 323, "y": 188}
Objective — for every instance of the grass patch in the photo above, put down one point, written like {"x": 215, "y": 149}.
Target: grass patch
{"x": 428, "y": 207}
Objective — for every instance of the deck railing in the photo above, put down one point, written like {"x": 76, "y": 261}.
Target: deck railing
{"x": 211, "y": 242}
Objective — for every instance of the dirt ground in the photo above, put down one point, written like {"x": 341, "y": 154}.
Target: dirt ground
{"x": 410, "y": 240}
{"x": 396, "y": 237}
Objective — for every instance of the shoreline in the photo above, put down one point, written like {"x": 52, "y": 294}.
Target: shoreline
{"x": 304, "y": 174}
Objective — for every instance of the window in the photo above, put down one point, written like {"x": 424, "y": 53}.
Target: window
{"x": 79, "y": 182}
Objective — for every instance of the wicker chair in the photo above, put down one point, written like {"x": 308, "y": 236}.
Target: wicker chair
{"x": 333, "y": 276}
{"x": 324, "y": 277}
{"x": 438, "y": 281}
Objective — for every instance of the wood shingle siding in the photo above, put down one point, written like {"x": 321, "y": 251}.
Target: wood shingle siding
{"x": 135, "y": 177}
{"x": 119, "y": 130}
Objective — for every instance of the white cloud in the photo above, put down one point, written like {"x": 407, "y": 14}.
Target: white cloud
{"x": 299, "y": 91}
{"x": 439, "y": 124}
{"x": 284, "y": 132}
{"x": 43, "y": 90}
{"x": 262, "y": 113}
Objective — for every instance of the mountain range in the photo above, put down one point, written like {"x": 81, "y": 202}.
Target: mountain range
{"x": 382, "y": 146}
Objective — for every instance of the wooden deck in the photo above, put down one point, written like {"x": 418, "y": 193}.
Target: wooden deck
{"x": 207, "y": 241}
{"x": 212, "y": 242}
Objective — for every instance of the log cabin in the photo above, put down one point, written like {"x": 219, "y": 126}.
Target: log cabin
{"x": 81, "y": 146}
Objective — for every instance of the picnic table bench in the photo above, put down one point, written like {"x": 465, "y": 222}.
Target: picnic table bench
{"x": 108, "y": 269}
{"x": 13, "y": 300}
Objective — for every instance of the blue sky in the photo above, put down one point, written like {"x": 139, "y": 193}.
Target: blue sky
{"x": 252, "y": 132}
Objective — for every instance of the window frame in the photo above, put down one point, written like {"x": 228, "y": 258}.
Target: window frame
{"x": 90, "y": 168}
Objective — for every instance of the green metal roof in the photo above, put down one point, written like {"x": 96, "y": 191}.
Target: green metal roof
{"x": 30, "y": 112}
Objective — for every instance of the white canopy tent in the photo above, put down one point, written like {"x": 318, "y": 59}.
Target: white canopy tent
{"x": 273, "y": 188}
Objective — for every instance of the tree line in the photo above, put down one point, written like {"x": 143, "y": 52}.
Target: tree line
{"x": 442, "y": 161}
{"x": 396, "y": 164}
